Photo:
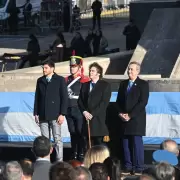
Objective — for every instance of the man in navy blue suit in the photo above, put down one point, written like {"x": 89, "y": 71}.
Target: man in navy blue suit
{"x": 131, "y": 101}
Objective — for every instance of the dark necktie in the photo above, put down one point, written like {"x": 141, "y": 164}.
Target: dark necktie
{"x": 93, "y": 85}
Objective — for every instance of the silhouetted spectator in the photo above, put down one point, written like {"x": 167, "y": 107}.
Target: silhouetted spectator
{"x": 97, "y": 8}
{"x": 33, "y": 50}
{"x": 100, "y": 43}
{"x": 13, "y": 17}
{"x": 78, "y": 44}
{"x": 27, "y": 7}
{"x": 132, "y": 34}
{"x": 88, "y": 43}
{"x": 66, "y": 16}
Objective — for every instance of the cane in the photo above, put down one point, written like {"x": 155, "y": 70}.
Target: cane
{"x": 89, "y": 133}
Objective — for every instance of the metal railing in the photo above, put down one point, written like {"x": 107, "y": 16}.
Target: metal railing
{"x": 54, "y": 20}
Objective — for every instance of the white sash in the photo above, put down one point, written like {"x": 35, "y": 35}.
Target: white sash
{"x": 69, "y": 90}
{"x": 73, "y": 81}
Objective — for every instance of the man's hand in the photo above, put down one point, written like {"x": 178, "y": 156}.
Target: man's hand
{"x": 60, "y": 119}
{"x": 37, "y": 119}
{"x": 125, "y": 117}
{"x": 87, "y": 115}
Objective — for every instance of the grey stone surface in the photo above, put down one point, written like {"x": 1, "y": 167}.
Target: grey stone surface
{"x": 159, "y": 46}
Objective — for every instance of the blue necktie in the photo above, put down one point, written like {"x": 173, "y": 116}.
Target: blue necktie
{"x": 130, "y": 84}
{"x": 48, "y": 79}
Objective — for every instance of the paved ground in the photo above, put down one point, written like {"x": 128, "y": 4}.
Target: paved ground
{"x": 113, "y": 32}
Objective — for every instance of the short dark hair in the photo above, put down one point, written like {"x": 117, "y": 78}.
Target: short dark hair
{"x": 27, "y": 167}
{"x": 98, "y": 67}
{"x": 41, "y": 146}
{"x": 50, "y": 63}
{"x": 114, "y": 167}
{"x": 99, "y": 171}
{"x": 83, "y": 171}
{"x": 62, "y": 171}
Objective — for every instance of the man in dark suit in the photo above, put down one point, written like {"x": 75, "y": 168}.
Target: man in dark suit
{"x": 50, "y": 106}
{"x": 93, "y": 101}
{"x": 42, "y": 149}
{"x": 131, "y": 101}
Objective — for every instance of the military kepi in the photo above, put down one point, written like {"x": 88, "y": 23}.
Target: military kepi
{"x": 75, "y": 60}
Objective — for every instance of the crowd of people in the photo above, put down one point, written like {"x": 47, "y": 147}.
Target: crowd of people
{"x": 83, "y": 101}
{"x": 97, "y": 165}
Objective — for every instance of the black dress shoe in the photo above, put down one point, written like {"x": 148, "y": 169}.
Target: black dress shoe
{"x": 127, "y": 172}
{"x": 74, "y": 156}
{"x": 137, "y": 172}
{"x": 81, "y": 157}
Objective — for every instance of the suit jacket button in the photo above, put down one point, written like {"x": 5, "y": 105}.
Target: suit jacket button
{"x": 52, "y": 101}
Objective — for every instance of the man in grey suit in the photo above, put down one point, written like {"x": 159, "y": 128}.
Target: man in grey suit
{"x": 42, "y": 149}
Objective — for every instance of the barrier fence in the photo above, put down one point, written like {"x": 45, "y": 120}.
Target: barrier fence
{"x": 53, "y": 20}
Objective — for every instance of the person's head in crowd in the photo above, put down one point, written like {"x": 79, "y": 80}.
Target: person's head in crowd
{"x": 114, "y": 168}
{"x": 90, "y": 32}
{"x": 165, "y": 171}
{"x": 95, "y": 71}
{"x": 83, "y": 173}
{"x": 165, "y": 156}
{"x": 75, "y": 163}
{"x": 27, "y": 168}
{"x": 131, "y": 21}
{"x": 133, "y": 70}
{"x": 60, "y": 36}
{"x": 146, "y": 177}
{"x": 99, "y": 171}
{"x": 48, "y": 67}
{"x": 96, "y": 154}
{"x": 78, "y": 35}
{"x": 13, "y": 171}
{"x": 62, "y": 171}
{"x": 33, "y": 38}
{"x": 2, "y": 166}
{"x": 170, "y": 145}
{"x": 151, "y": 171}
{"x": 99, "y": 33}
{"x": 42, "y": 147}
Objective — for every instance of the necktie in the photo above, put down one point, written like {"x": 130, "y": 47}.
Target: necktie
{"x": 48, "y": 79}
{"x": 130, "y": 84}
{"x": 93, "y": 85}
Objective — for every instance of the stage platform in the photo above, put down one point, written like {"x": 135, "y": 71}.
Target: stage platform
{"x": 66, "y": 145}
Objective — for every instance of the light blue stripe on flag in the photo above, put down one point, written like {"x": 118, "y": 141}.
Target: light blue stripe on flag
{"x": 159, "y": 102}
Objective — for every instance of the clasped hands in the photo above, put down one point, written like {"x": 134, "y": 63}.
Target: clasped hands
{"x": 87, "y": 115}
{"x": 125, "y": 117}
